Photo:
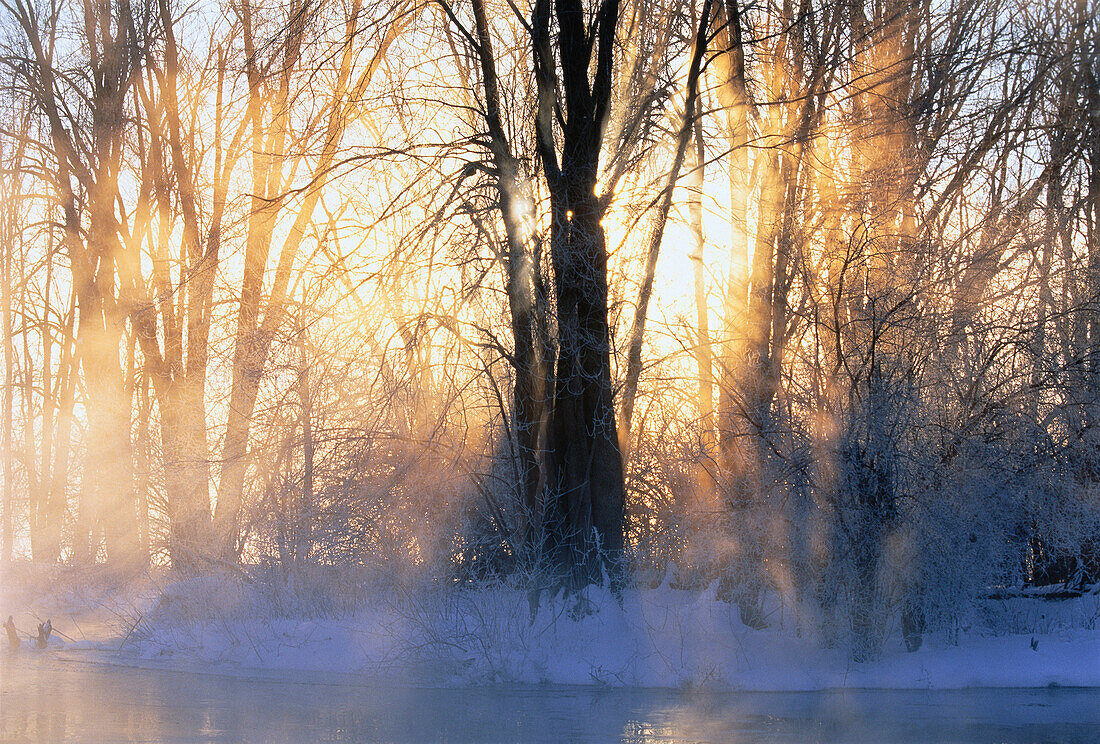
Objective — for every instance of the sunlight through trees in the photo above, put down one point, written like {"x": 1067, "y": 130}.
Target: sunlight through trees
{"x": 800, "y": 298}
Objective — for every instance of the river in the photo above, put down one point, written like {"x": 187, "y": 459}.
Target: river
{"x": 84, "y": 698}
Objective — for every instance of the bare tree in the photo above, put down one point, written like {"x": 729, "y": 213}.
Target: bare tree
{"x": 84, "y": 111}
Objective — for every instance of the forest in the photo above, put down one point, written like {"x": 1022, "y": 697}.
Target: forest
{"x": 798, "y": 300}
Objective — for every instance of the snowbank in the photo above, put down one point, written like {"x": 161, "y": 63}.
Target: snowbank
{"x": 659, "y": 637}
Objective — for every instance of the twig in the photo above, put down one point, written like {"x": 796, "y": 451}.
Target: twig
{"x": 131, "y": 631}
{"x": 55, "y": 631}
{"x": 78, "y": 626}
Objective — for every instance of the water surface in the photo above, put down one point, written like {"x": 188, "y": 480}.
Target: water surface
{"x": 61, "y": 698}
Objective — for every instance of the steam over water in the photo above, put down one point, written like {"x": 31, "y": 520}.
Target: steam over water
{"x": 66, "y": 700}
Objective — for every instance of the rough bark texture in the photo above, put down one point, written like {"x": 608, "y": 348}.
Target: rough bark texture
{"x": 527, "y": 303}
{"x": 584, "y": 505}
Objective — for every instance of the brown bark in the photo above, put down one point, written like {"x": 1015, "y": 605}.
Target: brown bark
{"x": 527, "y": 304}
{"x": 586, "y": 499}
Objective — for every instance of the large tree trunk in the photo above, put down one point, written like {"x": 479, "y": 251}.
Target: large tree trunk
{"x": 527, "y": 304}
{"x": 586, "y": 475}
{"x": 1092, "y": 238}
{"x": 108, "y": 470}
{"x": 584, "y": 526}
{"x": 108, "y": 466}
{"x": 186, "y": 475}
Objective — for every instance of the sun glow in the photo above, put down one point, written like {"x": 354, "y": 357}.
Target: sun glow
{"x": 309, "y": 284}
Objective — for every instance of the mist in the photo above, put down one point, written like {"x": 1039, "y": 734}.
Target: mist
{"x": 498, "y": 332}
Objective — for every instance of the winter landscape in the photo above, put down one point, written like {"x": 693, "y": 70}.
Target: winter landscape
{"x": 550, "y": 370}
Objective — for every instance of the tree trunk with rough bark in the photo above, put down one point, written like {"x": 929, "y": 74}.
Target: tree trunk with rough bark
{"x": 585, "y": 503}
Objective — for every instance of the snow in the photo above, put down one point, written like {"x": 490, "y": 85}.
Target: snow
{"x": 648, "y": 637}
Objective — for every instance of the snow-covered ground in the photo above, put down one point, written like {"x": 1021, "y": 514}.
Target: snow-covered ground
{"x": 660, "y": 637}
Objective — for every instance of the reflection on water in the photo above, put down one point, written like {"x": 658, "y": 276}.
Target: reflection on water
{"x": 66, "y": 700}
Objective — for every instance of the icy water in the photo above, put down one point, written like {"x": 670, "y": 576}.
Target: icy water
{"x": 64, "y": 699}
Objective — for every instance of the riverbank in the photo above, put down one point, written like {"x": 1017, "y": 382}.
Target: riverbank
{"x": 648, "y": 637}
